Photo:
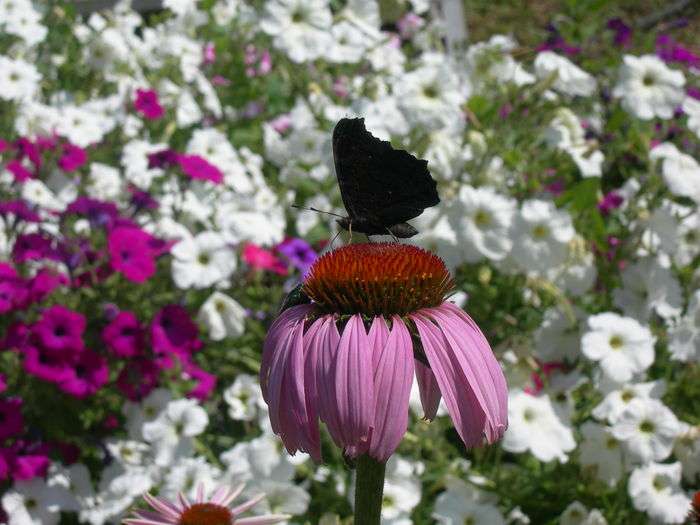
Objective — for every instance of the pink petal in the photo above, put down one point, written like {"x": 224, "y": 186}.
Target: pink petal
{"x": 263, "y": 520}
{"x": 378, "y": 334}
{"x": 279, "y": 330}
{"x": 478, "y": 364}
{"x": 327, "y": 340}
{"x": 354, "y": 383}
{"x": 429, "y": 390}
{"x": 312, "y": 339}
{"x": 393, "y": 378}
{"x": 467, "y": 412}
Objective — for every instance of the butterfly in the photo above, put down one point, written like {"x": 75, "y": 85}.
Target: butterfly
{"x": 381, "y": 187}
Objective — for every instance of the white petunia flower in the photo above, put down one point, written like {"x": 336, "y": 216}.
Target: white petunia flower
{"x": 222, "y": 316}
{"x": 104, "y": 182}
{"x": 171, "y": 432}
{"x": 244, "y": 398}
{"x": 463, "y": 503}
{"x": 558, "y": 337}
{"x": 648, "y": 287}
{"x": 684, "y": 334}
{"x": 482, "y": 219}
{"x": 569, "y": 78}
{"x": 649, "y": 88}
{"x": 534, "y": 426}
{"x": 621, "y": 345}
{"x": 616, "y": 402}
{"x": 680, "y": 171}
{"x": 601, "y": 451}
{"x": 19, "y": 80}
{"x": 566, "y": 133}
{"x": 80, "y": 125}
{"x": 34, "y": 502}
{"x": 300, "y": 28}
{"x": 128, "y": 452}
{"x": 202, "y": 261}
{"x": 648, "y": 429}
{"x": 655, "y": 489}
{"x": 687, "y": 450}
{"x": 148, "y": 409}
{"x": 691, "y": 107}
{"x": 577, "y": 514}
{"x": 540, "y": 235}
{"x": 490, "y": 61}
{"x": 186, "y": 475}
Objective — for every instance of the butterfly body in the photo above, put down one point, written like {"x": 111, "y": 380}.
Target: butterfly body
{"x": 381, "y": 187}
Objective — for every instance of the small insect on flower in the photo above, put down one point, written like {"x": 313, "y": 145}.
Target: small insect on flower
{"x": 214, "y": 511}
{"x": 378, "y": 316}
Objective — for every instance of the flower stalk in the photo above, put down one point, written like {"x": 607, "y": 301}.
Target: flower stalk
{"x": 369, "y": 490}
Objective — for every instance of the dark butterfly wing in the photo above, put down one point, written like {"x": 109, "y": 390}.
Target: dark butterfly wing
{"x": 377, "y": 182}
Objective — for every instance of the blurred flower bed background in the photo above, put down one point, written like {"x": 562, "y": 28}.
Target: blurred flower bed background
{"x": 148, "y": 164}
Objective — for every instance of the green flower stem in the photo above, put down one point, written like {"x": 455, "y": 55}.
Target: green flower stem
{"x": 369, "y": 489}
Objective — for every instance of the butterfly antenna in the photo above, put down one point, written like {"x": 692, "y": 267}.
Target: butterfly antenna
{"x": 317, "y": 210}
{"x": 335, "y": 237}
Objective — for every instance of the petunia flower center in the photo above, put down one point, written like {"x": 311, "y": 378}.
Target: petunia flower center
{"x": 378, "y": 279}
{"x": 206, "y": 514}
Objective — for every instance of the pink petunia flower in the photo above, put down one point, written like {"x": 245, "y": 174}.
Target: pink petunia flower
{"x": 259, "y": 258}
{"x": 174, "y": 333}
{"x": 130, "y": 253}
{"x": 148, "y": 105}
{"x": 199, "y": 168}
{"x": 349, "y": 358}
{"x": 72, "y": 158}
{"x": 60, "y": 330}
{"x": 215, "y": 510}
{"x": 89, "y": 374}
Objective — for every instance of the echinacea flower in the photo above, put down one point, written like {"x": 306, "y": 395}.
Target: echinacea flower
{"x": 214, "y": 511}
{"x": 378, "y": 315}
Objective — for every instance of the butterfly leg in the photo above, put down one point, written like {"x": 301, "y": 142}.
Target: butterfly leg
{"x": 392, "y": 234}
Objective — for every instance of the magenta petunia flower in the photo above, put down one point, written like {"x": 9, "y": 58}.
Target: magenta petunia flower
{"x": 19, "y": 171}
{"x": 34, "y": 246}
{"x": 11, "y": 417}
{"x": 215, "y": 510}
{"x": 72, "y": 158}
{"x": 138, "y": 378}
{"x": 124, "y": 335}
{"x": 45, "y": 366}
{"x": 89, "y": 373}
{"x": 60, "y": 330}
{"x": 199, "y": 168}
{"x": 298, "y": 252}
{"x": 378, "y": 317}
{"x": 148, "y": 105}
{"x": 130, "y": 253}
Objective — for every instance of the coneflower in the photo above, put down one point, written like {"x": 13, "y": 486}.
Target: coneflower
{"x": 378, "y": 316}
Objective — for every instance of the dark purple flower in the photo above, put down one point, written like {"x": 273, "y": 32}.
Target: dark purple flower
{"x": 100, "y": 214}
{"x": 28, "y": 149}
{"x": 623, "y": 32}
{"x": 165, "y": 158}
{"x": 299, "y": 253}
{"x": 43, "y": 283}
{"x": 11, "y": 420}
{"x": 611, "y": 201}
{"x": 60, "y": 330}
{"x": 200, "y": 169}
{"x": 13, "y": 292}
{"x": 72, "y": 158}
{"x": 124, "y": 335}
{"x": 693, "y": 92}
{"x": 19, "y": 209}
{"x": 89, "y": 374}
{"x": 555, "y": 42}
{"x": 131, "y": 254}
{"x": 3, "y": 383}
{"x": 142, "y": 200}
{"x": 148, "y": 105}
{"x": 34, "y": 246}
{"x": 138, "y": 378}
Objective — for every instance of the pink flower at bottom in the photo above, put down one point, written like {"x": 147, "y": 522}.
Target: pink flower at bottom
{"x": 148, "y": 105}
{"x": 348, "y": 358}
{"x": 213, "y": 511}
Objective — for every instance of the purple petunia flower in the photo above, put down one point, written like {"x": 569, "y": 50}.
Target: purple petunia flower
{"x": 148, "y": 105}
{"x": 100, "y": 214}
{"x": 165, "y": 158}
{"x": 19, "y": 172}
{"x": 611, "y": 201}
{"x": 299, "y": 253}
{"x": 173, "y": 333}
{"x": 671, "y": 51}
{"x": 623, "y": 32}
{"x": 34, "y": 246}
{"x": 45, "y": 366}
{"x": 138, "y": 378}
{"x": 20, "y": 209}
